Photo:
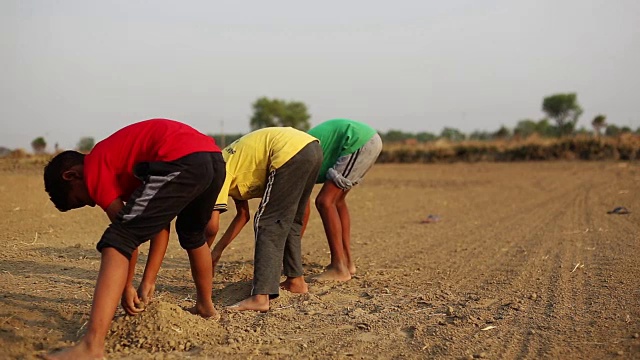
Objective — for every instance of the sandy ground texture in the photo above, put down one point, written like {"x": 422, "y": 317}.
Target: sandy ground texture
{"x": 524, "y": 263}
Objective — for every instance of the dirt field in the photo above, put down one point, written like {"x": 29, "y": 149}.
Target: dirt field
{"x": 525, "y": 263}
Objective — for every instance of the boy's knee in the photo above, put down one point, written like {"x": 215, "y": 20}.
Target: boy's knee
{"x": 211, "y": 231}
{"x": 323, "y": 203}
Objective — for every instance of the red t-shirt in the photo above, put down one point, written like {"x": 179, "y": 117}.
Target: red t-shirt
{"x": 108, "y": 168}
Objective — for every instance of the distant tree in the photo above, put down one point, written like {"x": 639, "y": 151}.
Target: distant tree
{"x": 564, "y": 109}
{"x": 452, "y": 134}
{"x": 275, "y": 112}
{"x": 502, "y": 133}
{"x": 4, "y": 151}
{"x": 612, "y": 130}
{"x": 480, "y": 135}
{"x": 85, "y": 144}
{"x": 38, "y": 144}
{"x": 545, "y": 129}
{"x": 583, "y": 131}
{"x": 396, "y": 136}
{"x": 425, "y": 137}
{"x": 599, "y": 122}
{"x": 525, "y": 128}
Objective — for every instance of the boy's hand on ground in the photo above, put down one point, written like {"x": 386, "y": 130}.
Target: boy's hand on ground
{"x": 145, "y": 292}
{"x": 130, "y": 301}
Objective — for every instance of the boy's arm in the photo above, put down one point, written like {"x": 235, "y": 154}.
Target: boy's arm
{"x": 114, "y": 208}
{"x": 212, "y": 227}
{"x": 242, "y": 217}
{"x": 157, "y": 250}
{"x": 130, "y": 301}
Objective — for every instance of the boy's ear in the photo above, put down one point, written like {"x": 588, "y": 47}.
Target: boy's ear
{"x": 71, "y": 175}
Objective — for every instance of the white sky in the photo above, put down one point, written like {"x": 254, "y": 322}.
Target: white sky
{"x": 73, "y": 68}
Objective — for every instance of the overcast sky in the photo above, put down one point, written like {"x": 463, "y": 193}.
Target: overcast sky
{"x": 73, "y": 68}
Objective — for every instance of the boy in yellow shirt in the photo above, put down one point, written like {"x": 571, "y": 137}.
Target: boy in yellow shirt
{"x": 279, "y": 165}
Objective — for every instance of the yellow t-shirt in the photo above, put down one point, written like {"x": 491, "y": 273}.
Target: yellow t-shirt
{"x": 251, "y": 158}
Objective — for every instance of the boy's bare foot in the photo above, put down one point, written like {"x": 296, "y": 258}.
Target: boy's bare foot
{"x": 207, "y": 312}
{"x": 254, "y": 303}
{"x": 77, "y": 352}
{"x": 352, "y": 269}
{"x": 333, "y": 274}
{"x": 295, "y": 285}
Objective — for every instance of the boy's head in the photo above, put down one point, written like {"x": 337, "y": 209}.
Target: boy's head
{"x": 64, "y": 181}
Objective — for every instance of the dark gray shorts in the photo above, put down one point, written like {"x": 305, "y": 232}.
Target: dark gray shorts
{"x": 186, "y": 188}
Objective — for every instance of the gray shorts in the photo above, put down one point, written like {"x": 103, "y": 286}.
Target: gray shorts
{"x": 349, "y": 170}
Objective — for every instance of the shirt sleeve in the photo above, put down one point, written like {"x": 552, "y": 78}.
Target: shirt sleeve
{"x": 223, "y": 196}
{"x": 101, "y": 182}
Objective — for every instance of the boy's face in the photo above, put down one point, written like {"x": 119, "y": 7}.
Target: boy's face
{"x": 78, "y": 195}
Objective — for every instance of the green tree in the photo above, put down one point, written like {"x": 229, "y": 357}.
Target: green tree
{"x": 480, "y": 135}
{"x": 275, "y": 112}
{"x": 564, "y": 109}
{"x": 86, "y": 144}
{"x": 525, "y": 128}
{"x": 599, "y": 122}
{"x": 396, "y": 136}
{"x": 544, "y": 128}
{"x": 502, "y": 133}
{"x": 612, "y": 130}
{"x": 425, "y": 136}
{"x": 38, "y": 144}
{"x": 452, "y": 134}
{"x": 583, "y": 131}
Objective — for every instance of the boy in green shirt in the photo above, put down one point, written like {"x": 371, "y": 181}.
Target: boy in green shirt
{"x": 350, "y": 149}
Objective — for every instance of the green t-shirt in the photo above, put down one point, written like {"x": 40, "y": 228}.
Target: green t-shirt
{"x": 339, "y": 137}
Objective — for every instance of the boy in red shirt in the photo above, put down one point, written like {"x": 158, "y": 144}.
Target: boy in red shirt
{"x": 143, "y": 176}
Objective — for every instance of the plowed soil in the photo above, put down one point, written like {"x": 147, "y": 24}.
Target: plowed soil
{"x": 524, "y": 262}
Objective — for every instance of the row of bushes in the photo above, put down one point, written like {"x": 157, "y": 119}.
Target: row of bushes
{"x": 625, "y": 147}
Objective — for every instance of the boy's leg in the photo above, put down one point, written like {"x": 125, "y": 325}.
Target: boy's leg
{"x": 292, "y": 264}
{"x": 327, "y": 205}
{"x": 109, "y": 286}
{"x": 202, "y": 273}
{"x": 273, "y": 223}
{"x": 346, "y": 173}
{"x": 190, "y": 226}
{"x": 345, "y": 222}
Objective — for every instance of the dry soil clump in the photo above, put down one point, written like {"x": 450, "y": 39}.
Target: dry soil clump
{"x": 162, "y": 327}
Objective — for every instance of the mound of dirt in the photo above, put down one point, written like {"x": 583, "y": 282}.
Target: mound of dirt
{"x": 162, "y": 327}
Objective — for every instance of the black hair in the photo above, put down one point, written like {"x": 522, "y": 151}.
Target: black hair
{"x": 57, "y": 187}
